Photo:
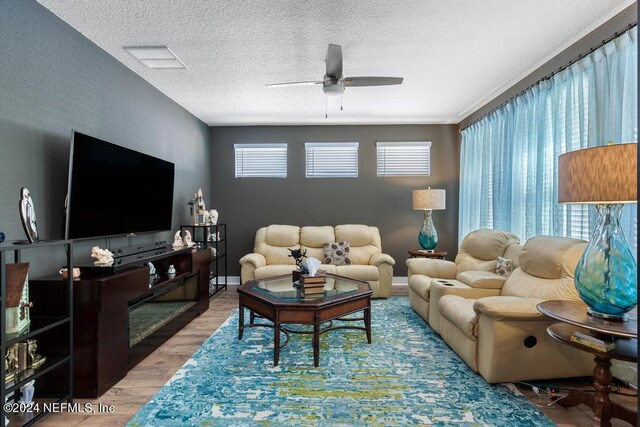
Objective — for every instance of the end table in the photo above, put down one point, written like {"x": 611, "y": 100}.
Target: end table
{"x": 419, "y": 253}
{"x": 574, "y": 316}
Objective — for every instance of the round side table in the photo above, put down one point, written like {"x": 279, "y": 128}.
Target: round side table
{"x": 574, "y": 317}
{"x": 416, "y": 253}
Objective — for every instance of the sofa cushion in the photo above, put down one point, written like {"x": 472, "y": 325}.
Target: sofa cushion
{"x": 482, "y": 279}
{"x": 360, "y": 272}
{"x": 337, "y": 253}
{"x": 459, "y": 311}
{"x": 312, "y": 239}
{"x": 364, "y": 241}
{"x": 274, "y": 242}
{"x": 280, "y": 269}
{"x": 542, "y": 256}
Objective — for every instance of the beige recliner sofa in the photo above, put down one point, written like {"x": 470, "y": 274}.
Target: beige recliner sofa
{"x": 474, "y": 268}
{"x": 270, "y": 255}
{"x": 504, "y": 337}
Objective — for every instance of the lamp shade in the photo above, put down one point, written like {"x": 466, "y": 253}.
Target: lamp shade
{"x": 429, "y": 199}
{"x": 599, "y": 175}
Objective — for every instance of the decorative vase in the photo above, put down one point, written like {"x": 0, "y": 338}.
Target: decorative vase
{"x": 428, "y": 236}
{"x": 606, "y": 275}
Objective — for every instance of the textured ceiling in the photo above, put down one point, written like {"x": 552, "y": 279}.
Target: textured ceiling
{"x": 454, "y": 55}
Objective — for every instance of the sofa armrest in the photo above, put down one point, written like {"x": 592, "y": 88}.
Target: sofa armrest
{"x": 432, "y": 267}
{"x": 509, "y": 308}
{"x": 258, "y": 260}
{"x": 482, "y": 279}
{"x": 379, "y": 259}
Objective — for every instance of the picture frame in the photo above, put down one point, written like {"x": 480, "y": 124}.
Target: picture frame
{"x": 28, "y": 215}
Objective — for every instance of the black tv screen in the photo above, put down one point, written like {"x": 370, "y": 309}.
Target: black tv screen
{"x": 116, "y": 191}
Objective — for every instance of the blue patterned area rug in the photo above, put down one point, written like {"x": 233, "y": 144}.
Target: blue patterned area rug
{"x": 407, "y": 376}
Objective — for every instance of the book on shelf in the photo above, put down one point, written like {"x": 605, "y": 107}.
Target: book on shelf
{"x": 592, "y": 342}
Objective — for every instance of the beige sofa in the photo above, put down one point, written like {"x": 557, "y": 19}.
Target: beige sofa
{"x": 504, "y": 337}
{"x": 270, "y": 255}
{"x": 474, "y": 268}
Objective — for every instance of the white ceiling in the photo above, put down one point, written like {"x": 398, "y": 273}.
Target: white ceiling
{"x": 454, "y": 55}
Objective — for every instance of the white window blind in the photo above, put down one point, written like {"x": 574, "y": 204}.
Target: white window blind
{"x": 404, "y": 158}
{"x": 261, "y": 160}
{"x": 331, "y": 159}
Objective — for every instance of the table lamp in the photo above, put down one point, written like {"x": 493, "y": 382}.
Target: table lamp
{"x": 606, "y": 176}
{"x": 428, "y": 200}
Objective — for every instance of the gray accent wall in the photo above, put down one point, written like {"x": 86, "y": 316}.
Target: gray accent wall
{"x": 246, "y": 204}
{"x": 54, "y": 80}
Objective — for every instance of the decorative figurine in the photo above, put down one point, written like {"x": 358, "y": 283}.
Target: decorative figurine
{"x": 18, "y": 305}
{"x": 187, "y": 239}
{"x": 298, "y": 255}
{"x": 102, "y": 256}
{"x": 28, "y": 215}
{"x": 214, "y": 252}
{"x": 171, "y": 272}
{"x": 27, "y": 391}
{"x": 213, "y": 217}
{"x": 11, "y": 363}
{"x": 152, "y": 269}
{"x": 200, "y": 208}
{"x": 34, "y": 360}
{"x": 177, "y": 241}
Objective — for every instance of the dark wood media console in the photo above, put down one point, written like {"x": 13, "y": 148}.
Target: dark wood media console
{"x": 120, "y": 318}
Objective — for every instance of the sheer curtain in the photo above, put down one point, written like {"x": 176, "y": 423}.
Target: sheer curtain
{"x": 509, "y": 159}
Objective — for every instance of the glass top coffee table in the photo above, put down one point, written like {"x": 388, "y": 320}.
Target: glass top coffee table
{"x": 279, "y": 301}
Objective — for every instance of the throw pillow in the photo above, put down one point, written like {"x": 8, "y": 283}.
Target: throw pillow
{"x": 504, "y": 266}
{"x": 336, "y": 253}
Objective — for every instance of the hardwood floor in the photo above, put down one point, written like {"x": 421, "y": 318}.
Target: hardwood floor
{"x": 130, "y": 394}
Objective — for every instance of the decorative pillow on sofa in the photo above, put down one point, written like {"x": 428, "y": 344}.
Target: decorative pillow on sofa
{"x": 504, "y": 266}
{"x": 336, "y": 253}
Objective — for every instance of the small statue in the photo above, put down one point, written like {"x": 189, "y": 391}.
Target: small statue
{"x": 34, "y": 360}
{"x": 102, "y": 256}
{"x": 213, "y": 217}
{"x": 187, "y": 239}
{"x": 152, "y": 269}
{"x": 27, "y": 391}
{"x": 171, "y": 272}
{"x": 11, "y": 363}
{"x": 298, "y": 255}
{"x": 177, "y": 241}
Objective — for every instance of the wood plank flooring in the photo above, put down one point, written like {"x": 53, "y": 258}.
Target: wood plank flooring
{"x": 143, "y": 381}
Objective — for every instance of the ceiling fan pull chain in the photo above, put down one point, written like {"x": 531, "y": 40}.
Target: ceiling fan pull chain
{"x": 341, "y": 100}
{"x": 326, "y": 109}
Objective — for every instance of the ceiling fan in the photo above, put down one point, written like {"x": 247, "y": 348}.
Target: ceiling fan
{"x": 333, "y": 83}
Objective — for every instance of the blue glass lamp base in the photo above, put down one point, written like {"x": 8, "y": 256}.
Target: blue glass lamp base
{"x": 594, "y": 313}
{"x": 606, "y": 276}
{"x": 428, "y": 236}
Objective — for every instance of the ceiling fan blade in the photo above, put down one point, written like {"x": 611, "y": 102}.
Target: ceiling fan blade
{"x": 371, "y": 81}
{"x": 309, "y": 83}
{"x": 334, "y": 61}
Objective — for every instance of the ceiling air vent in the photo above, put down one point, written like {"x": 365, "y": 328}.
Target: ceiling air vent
{"x": 155, "y": 57}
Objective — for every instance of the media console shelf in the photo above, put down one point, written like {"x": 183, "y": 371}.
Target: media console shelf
{"x": 121, "y": 317}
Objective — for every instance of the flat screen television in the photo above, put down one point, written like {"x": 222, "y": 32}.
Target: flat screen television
{"x": 116, "y": 191}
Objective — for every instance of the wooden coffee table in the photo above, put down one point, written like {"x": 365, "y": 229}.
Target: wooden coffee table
{"x": 277, "y": 300}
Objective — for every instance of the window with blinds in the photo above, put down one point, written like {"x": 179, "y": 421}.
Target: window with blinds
{"x": 331, "y": 159}
{"x": 404, "y": 158}
{"x": 261, "y": 160}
